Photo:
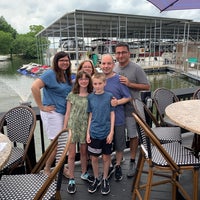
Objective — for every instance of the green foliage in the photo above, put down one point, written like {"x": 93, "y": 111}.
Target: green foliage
{"x": 34, "y": 29}
{"x": 5, "y": 27}
{"x": 21, "y": 44}
{"x": 6, "y": 41}
{"x": 25, "y": 45}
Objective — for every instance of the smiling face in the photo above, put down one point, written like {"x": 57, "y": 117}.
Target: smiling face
{"x": 98, "y": 85}
{"x": 107, "y": 64}
{"x": 83, "y": 81}
{"x": 64, "y": 63}
{"x": 98, "y": 82}
{"x": 122, "y": 55}
{"x": 87, "y": 67}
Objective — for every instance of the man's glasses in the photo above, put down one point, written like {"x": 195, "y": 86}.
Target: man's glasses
{"x": 123, "y": 53}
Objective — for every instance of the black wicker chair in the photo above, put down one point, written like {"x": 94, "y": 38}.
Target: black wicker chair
{"x": 163, "y": 97}
{"x": 19, "y": 125}
{"x": 166, "y": 161}
{"x": 38, "y": 185}
{"x": 165, "y": 134}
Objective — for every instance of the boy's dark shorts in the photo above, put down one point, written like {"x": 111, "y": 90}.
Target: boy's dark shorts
{"x": 98, "y": 147}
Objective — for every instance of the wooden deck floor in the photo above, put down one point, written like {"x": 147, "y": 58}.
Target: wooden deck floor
{"x": 122, "y": 190}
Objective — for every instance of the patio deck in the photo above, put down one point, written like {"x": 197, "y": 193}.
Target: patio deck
{"x": 122, "y": 190}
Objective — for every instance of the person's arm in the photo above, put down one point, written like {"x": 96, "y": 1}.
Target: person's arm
{"x": 37, "y": 85}
{"x": 67, "y": 114}
{"x": 139, "y": 86}
{"x": 115, "y": 102}
{"x": 112, "y": 123}
{"x": 88, "y": 128}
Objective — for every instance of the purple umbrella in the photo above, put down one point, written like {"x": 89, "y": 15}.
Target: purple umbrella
{"x": 166, "y": 5}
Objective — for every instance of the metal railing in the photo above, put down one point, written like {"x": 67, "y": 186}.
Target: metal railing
{"x": 146, "y": 96}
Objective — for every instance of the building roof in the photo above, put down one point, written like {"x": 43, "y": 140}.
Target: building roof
{"x": 93, "y": 24}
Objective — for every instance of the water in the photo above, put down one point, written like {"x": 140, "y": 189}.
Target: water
{"x": 170, "y": 81}
{"x": 16, "y": 87}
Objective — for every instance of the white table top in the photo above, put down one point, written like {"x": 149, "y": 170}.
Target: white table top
{"x": 185, "y": 114}
{"x": 5, "y": 149}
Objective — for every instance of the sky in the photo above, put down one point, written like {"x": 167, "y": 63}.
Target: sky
{"x": 21, "y": 14}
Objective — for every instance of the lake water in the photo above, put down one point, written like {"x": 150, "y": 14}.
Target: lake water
{"x": 16, "y": 87}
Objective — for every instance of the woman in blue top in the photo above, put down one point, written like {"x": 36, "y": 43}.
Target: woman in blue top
{"x": 56, "y": 84}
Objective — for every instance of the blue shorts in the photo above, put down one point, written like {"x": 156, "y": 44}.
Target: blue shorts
{"x": 98, "y": 147}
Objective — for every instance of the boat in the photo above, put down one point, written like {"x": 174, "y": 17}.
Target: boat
{"x": 32, "y": 69}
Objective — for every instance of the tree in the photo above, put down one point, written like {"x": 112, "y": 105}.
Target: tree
{"x": 5, "y": 27}
{"x": 21, "y": 44}
{"x": 34, "y": 29}
{"x": 6, "y": 41}
{"x": 26, "y": 44}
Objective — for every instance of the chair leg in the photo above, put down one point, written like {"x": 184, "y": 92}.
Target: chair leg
{"x": 136, "y": 180}
{"x": 174, "y": 186}
{"x": 149, "y": 183}
{"x": 178, "y": 192}
{"x": 195, "y": 183}
{"x": 57, "y": 196}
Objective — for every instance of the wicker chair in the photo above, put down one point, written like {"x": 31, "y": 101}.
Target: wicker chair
{"x": 37, "y": 185}
{"x": 166, "y": 161}
{"x": 165, "y": 134}
{"x": 163, "y": 97}
{"x": 19, "y": 125}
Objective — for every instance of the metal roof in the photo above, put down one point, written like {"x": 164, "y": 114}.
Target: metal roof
{"x": 94, "y": 24}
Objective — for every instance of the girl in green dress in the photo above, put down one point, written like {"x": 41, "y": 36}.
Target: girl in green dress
{"x": 76, "y": 119}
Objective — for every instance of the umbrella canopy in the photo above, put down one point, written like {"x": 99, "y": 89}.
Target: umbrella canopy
{"x": 166, "y": 5}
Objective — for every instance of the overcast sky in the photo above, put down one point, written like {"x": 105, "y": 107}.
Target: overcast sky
{"x": 21, "y": 14}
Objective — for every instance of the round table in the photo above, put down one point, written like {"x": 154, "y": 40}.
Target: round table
{"x": 5, "y": 149}
{"x": 185, "y": 114}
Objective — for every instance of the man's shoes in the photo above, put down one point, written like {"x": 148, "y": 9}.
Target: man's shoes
{"x": 87, "y": 177}
{"x": 93, "y": 187}
{"x": 71, "y": 188}
{"x": 105, "y": 187}
{"x": 110, "y": 171}
{"x": 118, "y": 173}
{"x": 131, "y": 171}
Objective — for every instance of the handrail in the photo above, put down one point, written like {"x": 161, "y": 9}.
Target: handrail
{"x": 183, "y": 94}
